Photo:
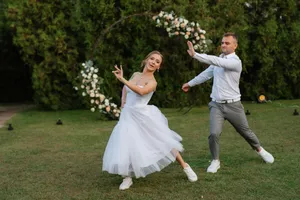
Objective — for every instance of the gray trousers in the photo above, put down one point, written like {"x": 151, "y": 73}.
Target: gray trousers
{"x": 233, "y": 113}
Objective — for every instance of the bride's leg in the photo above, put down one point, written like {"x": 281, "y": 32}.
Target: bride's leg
{"x": 180, "y": 160}
{"x": 192, "y": 176}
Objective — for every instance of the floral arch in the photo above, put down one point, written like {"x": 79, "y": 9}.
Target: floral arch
{"x": 90, "y": 82}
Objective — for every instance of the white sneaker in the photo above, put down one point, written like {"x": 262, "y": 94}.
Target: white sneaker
{"x": 192, "y": 176}
{"x": 127, "y": 182}
{"x": 214, "y": 166}
{"x": 266, "y": 156}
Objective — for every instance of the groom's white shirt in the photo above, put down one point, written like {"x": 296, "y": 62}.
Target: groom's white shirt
{"x": 226, "y": 71}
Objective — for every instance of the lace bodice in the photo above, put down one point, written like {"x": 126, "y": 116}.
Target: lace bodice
{"x": 134, "y": 99}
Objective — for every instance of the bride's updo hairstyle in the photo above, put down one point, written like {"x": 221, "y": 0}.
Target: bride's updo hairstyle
{"x": 150, "y": 54}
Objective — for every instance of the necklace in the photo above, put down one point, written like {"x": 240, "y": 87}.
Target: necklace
{"x": 140, "y": 79}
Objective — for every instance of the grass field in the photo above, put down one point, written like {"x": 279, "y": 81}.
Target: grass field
{"x": 41, "y": 160}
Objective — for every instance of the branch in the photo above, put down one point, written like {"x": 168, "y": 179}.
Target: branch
{"x": 147, "y": 13}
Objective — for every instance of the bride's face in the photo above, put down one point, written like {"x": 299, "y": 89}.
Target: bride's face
{"x": 153, "y": 62}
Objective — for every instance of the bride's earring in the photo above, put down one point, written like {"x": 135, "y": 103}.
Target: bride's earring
{"x": 157, "y": 69}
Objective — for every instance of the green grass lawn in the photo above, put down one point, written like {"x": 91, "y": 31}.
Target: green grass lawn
{"x": 41, "y": 160}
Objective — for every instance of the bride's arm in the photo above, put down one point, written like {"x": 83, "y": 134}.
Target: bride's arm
{"x": 124, "y": 92}
{"x": 123, "y": 99}
{"x": 141, "y": 91}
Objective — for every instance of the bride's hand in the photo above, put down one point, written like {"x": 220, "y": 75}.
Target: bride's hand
{"x": 118, "y": 72}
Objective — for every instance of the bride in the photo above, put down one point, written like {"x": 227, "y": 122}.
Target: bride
{"x": 142, "y": 143}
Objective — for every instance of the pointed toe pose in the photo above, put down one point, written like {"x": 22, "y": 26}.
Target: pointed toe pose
{"x": 225, "y": 104}
{"x": 142, "y": 142}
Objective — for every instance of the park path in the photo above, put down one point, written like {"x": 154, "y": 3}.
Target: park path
{"x": 7, "y": 111}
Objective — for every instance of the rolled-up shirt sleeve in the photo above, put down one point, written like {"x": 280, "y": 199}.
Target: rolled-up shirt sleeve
{"x": 231, "y": 63}
{"x": 202, "y": 77}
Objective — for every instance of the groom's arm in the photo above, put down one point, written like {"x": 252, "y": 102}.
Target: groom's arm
{"x": 231, "y": 63}
{"x": 202, "y": 77}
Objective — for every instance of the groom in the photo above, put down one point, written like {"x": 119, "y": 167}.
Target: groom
{"x": 225, "y": 104}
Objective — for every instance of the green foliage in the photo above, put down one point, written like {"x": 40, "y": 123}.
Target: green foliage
{"x": 273, "y": 69}
{"x": 54, "y": 37}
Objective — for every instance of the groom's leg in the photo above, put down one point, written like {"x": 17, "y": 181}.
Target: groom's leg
{"x": 235, "y": 114}
{"x": 216, "y": 125}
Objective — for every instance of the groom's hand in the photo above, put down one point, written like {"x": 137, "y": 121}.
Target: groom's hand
{"x": 185, "y": 87}
{"x": 191, "y": 49}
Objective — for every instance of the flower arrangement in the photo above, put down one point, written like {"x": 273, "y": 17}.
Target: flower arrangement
{"x": 180, "y": 26}
{"x": 90, "y": 88}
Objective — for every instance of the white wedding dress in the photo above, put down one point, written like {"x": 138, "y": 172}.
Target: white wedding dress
{"x": 141, "y": 143}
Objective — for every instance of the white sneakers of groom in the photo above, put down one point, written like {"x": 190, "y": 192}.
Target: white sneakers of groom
{"x": 266, "y": 156}
{"x": 214, "y": 166}
{"x": 127, "y": 182}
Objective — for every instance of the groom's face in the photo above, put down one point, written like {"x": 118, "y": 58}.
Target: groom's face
{"x": 228, "y": 45}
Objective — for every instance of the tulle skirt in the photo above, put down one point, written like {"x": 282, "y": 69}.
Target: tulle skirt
{"x": 141, "y": 143}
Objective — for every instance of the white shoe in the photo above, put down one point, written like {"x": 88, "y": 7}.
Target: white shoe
{"x": 192, "y": 176}
{"x": 266, "y": 156}
{"x": 214, "y": 166}
{"x": 127, "y": 182}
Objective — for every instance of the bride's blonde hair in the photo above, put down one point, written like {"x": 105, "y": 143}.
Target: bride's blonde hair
{"x": 150, "y": 54}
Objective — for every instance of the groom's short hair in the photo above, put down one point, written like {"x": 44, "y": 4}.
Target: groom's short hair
{"x": 232, "y": 35}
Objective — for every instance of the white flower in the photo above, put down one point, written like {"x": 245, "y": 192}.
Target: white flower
{"x": 76, "y": 88}
{"x": 95, "y": 76}
{"x": 102, "y": 97}
{"x": 92, "y": 101}
{"x": 93, "y": 109}
{"x": 83, "y": 94}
